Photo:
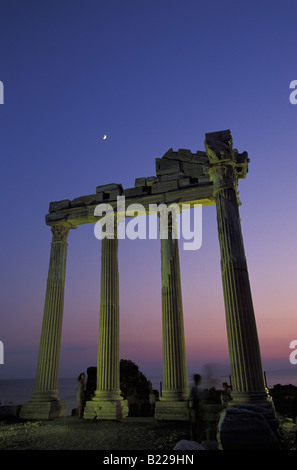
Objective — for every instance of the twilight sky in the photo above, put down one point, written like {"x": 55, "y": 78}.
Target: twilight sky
{"x": 151, "y": 75}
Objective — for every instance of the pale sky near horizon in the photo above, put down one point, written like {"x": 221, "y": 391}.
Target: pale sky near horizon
{"x": 150, "y": 75}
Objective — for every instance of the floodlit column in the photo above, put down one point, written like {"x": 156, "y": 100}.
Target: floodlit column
{"x": 108, "y": 402}
{"x": 108, "y": 363}
{"x": 244, "y": 350}
{"x": 175, "y": 381}
{"x": 45, "y": 402}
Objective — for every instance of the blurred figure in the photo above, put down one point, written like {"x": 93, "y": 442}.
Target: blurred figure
{"x": 225, "y": 395}
{"x": 194, "y": 402}
{"x": 80, "y": 393}
{"x": 152, "y": 399}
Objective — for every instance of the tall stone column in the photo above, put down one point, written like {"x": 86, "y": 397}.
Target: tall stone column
{"x": 226, "y": 166}
{"x": 108, "y": 402}
{"x": 45, "y": 403}
{"x": 172, "y": 404}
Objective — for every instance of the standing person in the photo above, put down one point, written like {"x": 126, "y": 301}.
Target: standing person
{"x": 194, "y": 399}
{"x": 152, "y": 400}
{"x": 80, "y": 393}
{"x": 225, "y": 395}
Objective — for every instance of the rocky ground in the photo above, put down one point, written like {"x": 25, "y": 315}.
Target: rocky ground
{"x": 71, "y": 433}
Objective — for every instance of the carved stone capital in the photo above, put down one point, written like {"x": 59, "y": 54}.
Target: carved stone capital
{"x": 224, "y": 176}
{"x": 226, "y": 165}
{"x": 60, "y": 233}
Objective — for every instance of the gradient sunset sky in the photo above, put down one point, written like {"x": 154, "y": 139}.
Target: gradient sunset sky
{"x": 151, "y": 75}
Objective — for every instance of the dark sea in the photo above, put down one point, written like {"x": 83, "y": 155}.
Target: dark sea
{"x": 18, "y": 391}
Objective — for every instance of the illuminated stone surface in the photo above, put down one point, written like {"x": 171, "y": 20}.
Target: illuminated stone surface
{"x": 175, "y": 381}
{"x": 107, "y": 402}
{"x": 207, "y": 178}
{"x": 45, "y": 402}
{"x": 245, "y": 359}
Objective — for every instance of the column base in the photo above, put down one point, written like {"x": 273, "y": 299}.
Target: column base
{"x": 172, "y": 411}
{"x": 34, "y": 409}
{"x": 249, "y": 397}
{"x": 106, "y": 409}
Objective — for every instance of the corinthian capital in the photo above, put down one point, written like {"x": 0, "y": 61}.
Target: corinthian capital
{"x": 224, "y": 176}
{"x": 60, "y": 233}
{"x": 226, "y": 165}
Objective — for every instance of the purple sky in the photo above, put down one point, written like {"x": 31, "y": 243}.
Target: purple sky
{"x": 152, "y": 75}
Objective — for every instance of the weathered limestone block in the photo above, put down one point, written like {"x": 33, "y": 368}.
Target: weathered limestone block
{"x": 84, "y": 201}
{"x": 164, "y": 186}
{"x": 172, "y": 176}
{"x": 193, "y": 170}
{"x": 108, "y": 187}
{"x": 56, "y": 206}
{"x": 241, "y": 429}
{"x": 108, "y": 192}
{"x": 183, "y": 155}
{"x": 138, "y": 191}
{"x": 199, "y": 157}
{"x": 112, "y": 195}
{"x": 107, "y": 410}
{"x": 184, "y": 182}
{"x": 151, "y": 180}
{"x": 148, "y": 181}
{"x": 172, "y": 410}
{"x": 140, "y": 182}
{"x": 204, "y": 179}
{"x": 166, "y": 166}
{"x": 43, "y": 410}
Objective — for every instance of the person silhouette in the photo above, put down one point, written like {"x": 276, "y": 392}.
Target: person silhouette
{"x": 80, "y": 393}
{"x": 194, "y": 399}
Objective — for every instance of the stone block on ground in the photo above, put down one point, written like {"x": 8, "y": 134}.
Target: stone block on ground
{"x": 242, "y": 429}
{"x": 184, "y": 444}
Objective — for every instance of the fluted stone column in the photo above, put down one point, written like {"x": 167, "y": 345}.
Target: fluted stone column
{"x": 172, "y": 404}
{"x": 108, "y": 402}
{"x": 226, "y": 166}
{"x": 45, "y": 402}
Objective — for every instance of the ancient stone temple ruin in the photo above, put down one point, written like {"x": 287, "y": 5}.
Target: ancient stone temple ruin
{"x": 206, "y": 177}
